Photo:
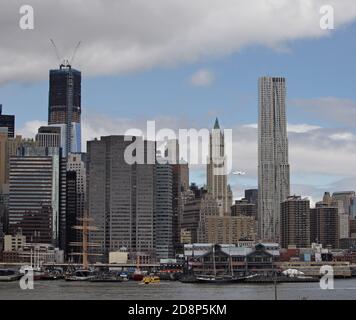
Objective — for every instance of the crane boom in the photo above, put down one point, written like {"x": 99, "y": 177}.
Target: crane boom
{"x": 56, "y": 50}
{"x": 74, "y": 52}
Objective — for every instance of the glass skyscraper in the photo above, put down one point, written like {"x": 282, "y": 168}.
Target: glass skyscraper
{"x": 64, "y": 106}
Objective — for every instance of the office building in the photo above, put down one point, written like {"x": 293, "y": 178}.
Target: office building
{"x": 324, "y": 225}
{"x": 34, "y": 184}
{"x": 163, "y": 217}
{"x": 3, "y": 159}
{"x": 180, "y": 184}
{"x": 244, "y": 208}
{"x": 70, "y": 235}
{"x": 7, "y": 121}
{"x": 49, "y": 137}
{"x": 343, "y": 202}
{"x": 121, "y": 195}
{"x": 64, "y": 108}
{"x": 295, "y": 222}
{"x": 217, "y": 171}
{"x": 251, "y": 195}
{"x": 273, "y": 167}
{"x": 226, "y": 229}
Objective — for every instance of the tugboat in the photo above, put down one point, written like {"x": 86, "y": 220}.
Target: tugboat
{"x": 8, "y": 275}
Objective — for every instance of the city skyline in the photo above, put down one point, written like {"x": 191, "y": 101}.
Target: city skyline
{"x": 192, "y": 93}
{"x": 178, "y": 146}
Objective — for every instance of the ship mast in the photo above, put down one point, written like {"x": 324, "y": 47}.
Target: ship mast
{"x": 85, "y": 228}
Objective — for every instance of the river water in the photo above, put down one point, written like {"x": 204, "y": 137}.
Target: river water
{"x": 344, "y": 289}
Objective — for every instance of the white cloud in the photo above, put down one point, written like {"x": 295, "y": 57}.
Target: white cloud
{"x": 346, "y": 136}
{"x": 301, "y": 128}
{"x": 202, "y": 78}
{"x": 125, "y": 36}
{"x": 313, "y": 152}
{"x": 30, "y": 128}
{"x": 337, "y": 110}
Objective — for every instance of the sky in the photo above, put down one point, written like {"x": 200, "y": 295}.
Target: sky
{"x": 184, "y": 63}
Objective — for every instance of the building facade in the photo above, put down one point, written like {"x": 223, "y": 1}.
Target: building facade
{"x": 7, "y": 121}
{"x": 273, "y": 166}
{"x": 324, "y": 225}
{"x": 64, "y": 109}
{"x": 121, "y": 195}
{"x": 295, "y": 222}
{"x": 34, "y": 182}
{"x": 163, "y": 216}
{"x": 216, "y": 171}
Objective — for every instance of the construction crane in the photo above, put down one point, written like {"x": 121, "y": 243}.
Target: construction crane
{"x": 62, "y": 61}
{"x": 75, "y": 52}
{"x": 56, "y": 50}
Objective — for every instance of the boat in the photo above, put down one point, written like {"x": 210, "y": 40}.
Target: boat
{"x": 188, "y": 278}
{"x": 124, "y": 276}
{"x": 8, "y": 275}
{"x": 107, "y": 277}
{"x": 137, "y": 275}
{"x": 80, "y": 275}
{"x": 219, "y": 279}
{"x": 151, "y": 280}
{"x": 54, "y": 274}
{"x": 37, "y": 272}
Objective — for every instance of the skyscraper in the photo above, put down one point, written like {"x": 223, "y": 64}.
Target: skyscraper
{"x": 295, "y": 222}
{"x": 3, "y": 159}
{"x": 121, "y": 196}
{"x": 163, "y": 217}
{"x": 216, "y": 171}
{"x": 7, "y": 121}
{"x": 324, "y": 225}
{"x": 251, "y": 195}
{"x": 64, "y": 109}
{"x": 273, "y": 167}
{"x": 34, "y": 194}
{"x": 180, "y": 184}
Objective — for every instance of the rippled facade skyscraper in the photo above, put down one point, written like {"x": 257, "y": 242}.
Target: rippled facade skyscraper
{"x": 273, "y": 166}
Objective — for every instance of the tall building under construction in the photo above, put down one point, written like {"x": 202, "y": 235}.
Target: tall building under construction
{"x": 64, "y": 106}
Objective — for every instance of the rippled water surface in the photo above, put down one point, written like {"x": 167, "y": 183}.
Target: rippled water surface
{"x": 344, "y": 289}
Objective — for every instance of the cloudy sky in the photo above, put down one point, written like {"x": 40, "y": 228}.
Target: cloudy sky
{"x": 182, "y": 63}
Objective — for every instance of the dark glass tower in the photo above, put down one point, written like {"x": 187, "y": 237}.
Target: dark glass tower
{"x": 64, "y": 107}
{"x": 7, "y": 122}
